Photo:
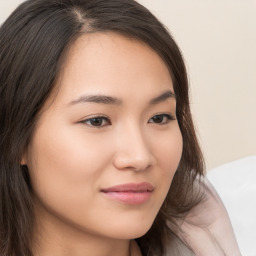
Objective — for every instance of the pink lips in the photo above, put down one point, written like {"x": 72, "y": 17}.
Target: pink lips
{"x": 132, "y": 193}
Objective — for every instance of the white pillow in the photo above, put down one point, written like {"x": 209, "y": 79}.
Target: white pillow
{"x": 236, "y": 184}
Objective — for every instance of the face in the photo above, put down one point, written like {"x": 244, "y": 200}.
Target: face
{"x": 106, "y": 147}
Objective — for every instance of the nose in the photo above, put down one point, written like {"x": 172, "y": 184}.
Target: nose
{"x": 133, "y": 151}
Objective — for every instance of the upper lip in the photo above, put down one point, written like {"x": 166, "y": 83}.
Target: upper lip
{"x": 130, "y": 187}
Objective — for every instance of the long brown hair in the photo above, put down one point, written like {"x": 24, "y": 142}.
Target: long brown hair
{"x": 33, "y": 44}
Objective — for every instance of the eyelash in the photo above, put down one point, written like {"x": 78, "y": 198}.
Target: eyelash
{"x": 102, "y": 119}
{"x": 167, "y": 118}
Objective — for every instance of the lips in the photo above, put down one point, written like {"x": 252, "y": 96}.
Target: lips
{"x": 131, "y": 187}
{"x": 132, "y": 193}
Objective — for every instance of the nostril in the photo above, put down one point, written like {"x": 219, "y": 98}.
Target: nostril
{"x": 133, "y": 162}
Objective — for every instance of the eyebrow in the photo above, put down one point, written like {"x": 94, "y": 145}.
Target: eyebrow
{"x": 110, "y": 100}
{"x": 101, "y": 99}
{"x": 164, "y": 96}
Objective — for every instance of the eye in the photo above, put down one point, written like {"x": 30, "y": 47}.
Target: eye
{"x": 97, "y": 121}
{"x": 161, "y": 119}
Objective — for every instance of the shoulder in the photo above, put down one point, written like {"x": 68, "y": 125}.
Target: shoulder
{"x": 207, "y": 229}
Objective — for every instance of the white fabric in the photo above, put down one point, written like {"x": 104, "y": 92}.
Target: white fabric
{"x": 206, "y": 229}
{"x": 235, "y": 182}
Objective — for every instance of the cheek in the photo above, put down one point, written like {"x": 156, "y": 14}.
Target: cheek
{"x": 65, "y": 165}
{"x": 168, "y": 152}
{"x": 67, "y": 152}
{"x": 65, "y": 173}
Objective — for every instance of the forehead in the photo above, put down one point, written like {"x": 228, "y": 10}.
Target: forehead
{"x": 111, "y": 63}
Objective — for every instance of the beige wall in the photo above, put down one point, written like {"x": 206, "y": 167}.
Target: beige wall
{"x": 218, "y": 39}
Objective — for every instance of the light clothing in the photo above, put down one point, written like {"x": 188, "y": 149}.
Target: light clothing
{"x": 206, "y": 230}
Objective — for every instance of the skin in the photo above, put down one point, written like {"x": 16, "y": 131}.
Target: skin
{"x": 70, "y": 159}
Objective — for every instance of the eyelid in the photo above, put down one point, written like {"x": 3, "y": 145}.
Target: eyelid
{"x": 88, "y": 119}
{"x": 169, "y": 116}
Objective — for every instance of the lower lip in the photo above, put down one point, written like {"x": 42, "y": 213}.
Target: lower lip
{"x": 131, "y": 198}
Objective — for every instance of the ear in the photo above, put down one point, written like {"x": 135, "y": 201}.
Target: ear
{"x": 23, "y": 160}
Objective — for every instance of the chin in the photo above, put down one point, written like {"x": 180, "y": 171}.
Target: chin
{"x": 131, "y": 230}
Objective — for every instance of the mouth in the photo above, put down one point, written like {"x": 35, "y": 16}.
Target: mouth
{"x": 131, "y": 194}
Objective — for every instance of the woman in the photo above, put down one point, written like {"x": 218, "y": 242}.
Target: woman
{"x": 98, "y": 151}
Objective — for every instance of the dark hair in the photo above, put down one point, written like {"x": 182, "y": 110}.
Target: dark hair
{"x": 33, "y": 43}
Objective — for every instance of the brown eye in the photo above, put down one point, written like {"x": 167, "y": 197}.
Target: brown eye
{"x": 98, "y": 121}
{"x": 158, "y": 119}
{"x": 161, "y": 119}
